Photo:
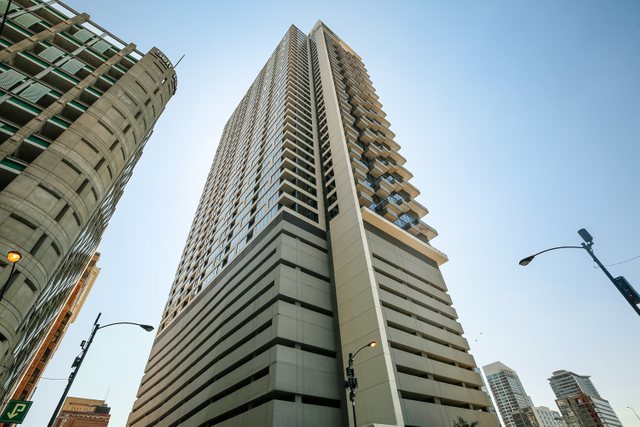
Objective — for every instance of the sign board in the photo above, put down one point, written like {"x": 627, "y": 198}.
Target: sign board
{"x": 15, "y": 411}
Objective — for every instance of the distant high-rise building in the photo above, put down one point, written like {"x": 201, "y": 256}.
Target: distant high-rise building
{"x": 537, "y": 416}
{"x": 507, "y": 390}
{"x": 484, "y": 388}
{"x": 566, "y": 383}
{"x": 580, "y": 403}
{"x": 306, "y": 245}
{"x": 80, "y": 412}
{"x": 28, "y": 382}
{"x": 77, "y": 106}
{"x": 548, "y": 417}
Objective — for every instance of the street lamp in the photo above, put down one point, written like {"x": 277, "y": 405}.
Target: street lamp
{"x": 78, "y": 360}
{"x": 13, "y": 257}
{"x": 623, "y": 286}
{"x": 634, "y": 411}
{"x": 352, "y": 382}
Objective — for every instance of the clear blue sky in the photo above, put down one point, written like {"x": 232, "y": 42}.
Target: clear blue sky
{"x": 521, "y": 123}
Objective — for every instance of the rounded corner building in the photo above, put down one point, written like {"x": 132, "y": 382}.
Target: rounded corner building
{"x": 77, "y": 106}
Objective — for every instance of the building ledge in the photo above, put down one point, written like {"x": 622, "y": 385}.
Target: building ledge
{"x": 398, "y": 233}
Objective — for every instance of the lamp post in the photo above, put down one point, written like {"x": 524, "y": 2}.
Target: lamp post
{"x": 78, "y": 360}
{"x": 634, "y": 411}
{"x": 13, "y": 257}
{"x": 352, "y": 382}
{"x": 623, "y": 286}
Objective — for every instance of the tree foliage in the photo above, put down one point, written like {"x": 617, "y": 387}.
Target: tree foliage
{"x": 461, "y": 422}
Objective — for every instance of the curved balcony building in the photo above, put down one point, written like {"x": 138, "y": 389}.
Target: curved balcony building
{"x": 77, "y": 106}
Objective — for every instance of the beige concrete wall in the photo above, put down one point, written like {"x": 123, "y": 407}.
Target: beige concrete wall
{"x": 262, "y": 334}
{"x": 431, "y": 359}
{"x": 359, "y": 310}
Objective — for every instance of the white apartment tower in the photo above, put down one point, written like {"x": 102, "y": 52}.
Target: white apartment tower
{"x": 508, "y": 392}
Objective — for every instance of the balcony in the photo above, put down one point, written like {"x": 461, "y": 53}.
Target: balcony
{"x": 405, "y": 174}
{"x": 426, "y": 230}
{"x": 372, "y": 152}
{"x": 397, "y": 157}
{"x": 359, "y": 111}
{"x": 395, "y": 208}
{"x": 417, "y": 208}
{"x": 410, "y": 190}
{"x": 378, "y": 169}
{"x": 383, "y": 189}
{"x": 367, "y": 136}
{"x": 359, "y": 166}
{"x": 364, "y": 199}
{"x": 363, "y": 123}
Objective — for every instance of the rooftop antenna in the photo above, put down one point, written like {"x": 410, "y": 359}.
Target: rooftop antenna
{"x": 179, "y": 61}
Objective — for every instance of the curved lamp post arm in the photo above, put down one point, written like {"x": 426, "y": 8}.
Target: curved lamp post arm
{"x": 624, "y": 287}
{"x": 352, "y": 356}
{"x": 147, "y": 328}
{"x": 527, "y": 260}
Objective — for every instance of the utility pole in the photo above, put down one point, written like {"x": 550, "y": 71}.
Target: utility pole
{"x": 622, "y": 285}
{"x": 75, "y": 366}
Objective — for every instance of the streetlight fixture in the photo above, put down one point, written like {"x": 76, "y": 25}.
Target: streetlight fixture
{"x": 621, "y": 283}
{"x": 78, "y": 360}
{"x": 634, "y": 411}
{"x": 13, "y": 257}
{"x": 352, "y": 382}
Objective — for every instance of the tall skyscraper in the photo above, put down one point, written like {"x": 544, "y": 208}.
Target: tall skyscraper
{"x": 307, "y": 244}
{"x": 77, "y": 107}
{"x": 508, "y": 392}
{"x": 565, "y": 383}
{"x": 580, "y": 403}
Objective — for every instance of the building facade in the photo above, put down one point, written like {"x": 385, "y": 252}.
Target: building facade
{"x": 80, "y": 412}
{"x": 485, "y": 389}
{"x": 548, "y": 417}
{"x": 537, "y": 416}
{"x": 507, "y": 390}
{"x": 565, "y": 383}
{"x": 307, "y": 244}
{"x": 77, "y": 105}
{"x": 580, "y": 403}
{"x": 27, "y": 383}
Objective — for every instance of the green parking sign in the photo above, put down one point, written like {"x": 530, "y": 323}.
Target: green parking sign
{"x": 15, "y": 411}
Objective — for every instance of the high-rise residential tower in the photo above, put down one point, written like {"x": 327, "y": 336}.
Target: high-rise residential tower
{"x": 507, "y": 390}
{"x": 565, "y": 383}
{"x": 77, "y": 105}
{"x": 307, "y": 244}
{"x": 580, "y": 403}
